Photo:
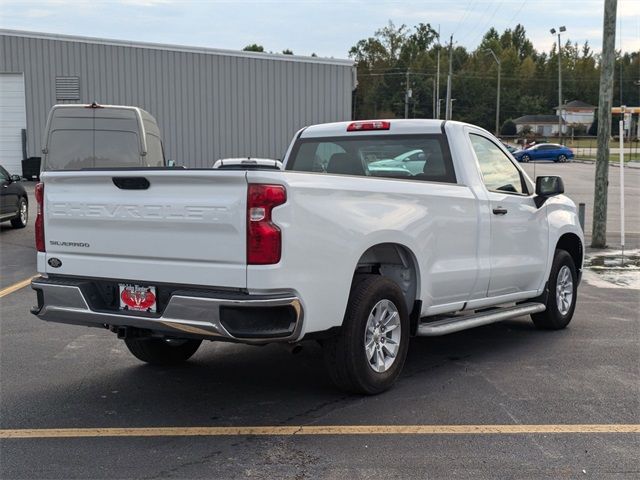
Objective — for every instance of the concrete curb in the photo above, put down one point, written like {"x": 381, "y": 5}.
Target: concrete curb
{"x": 613, "y": 164}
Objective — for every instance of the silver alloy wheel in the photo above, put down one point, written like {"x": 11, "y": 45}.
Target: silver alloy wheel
{"x": 525, "y": 158}
{"x": 382, "y": 336}
{"x": 564, "y": 290}
{"x": 562, "y": 158}
{"x": 24, "y": 213}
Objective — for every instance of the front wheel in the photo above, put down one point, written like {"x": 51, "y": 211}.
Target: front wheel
{"x": 162, "y": 351}
{"x": 525, "y": 158}
{"x": 562, "y": 158}
{"x": 368, "y": 354}
{"x": 563, "y": 293}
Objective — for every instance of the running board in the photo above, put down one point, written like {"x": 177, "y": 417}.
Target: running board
{"x": 457, "y": 324}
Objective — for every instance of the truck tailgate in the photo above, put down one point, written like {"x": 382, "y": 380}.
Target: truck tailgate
{"x": 187, "y": 227}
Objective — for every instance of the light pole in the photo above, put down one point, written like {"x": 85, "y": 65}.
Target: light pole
{"x": 495, "y": 57}
{"x": 553, "y": 32}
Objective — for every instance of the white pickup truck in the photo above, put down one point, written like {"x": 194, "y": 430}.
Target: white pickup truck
{"x": 375, "y": 231}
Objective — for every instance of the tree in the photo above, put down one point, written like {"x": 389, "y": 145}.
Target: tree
{"x": 286, "y": 51}
{"x": 508, "y": 128}
{"x": 529, "y": 78}
{"x": 254, "y": 47}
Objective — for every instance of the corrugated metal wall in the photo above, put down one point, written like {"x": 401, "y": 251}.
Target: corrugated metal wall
{"x": 208, "y": 104}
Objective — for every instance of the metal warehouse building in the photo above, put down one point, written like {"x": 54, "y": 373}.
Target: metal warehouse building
{"x": 209, "y": 103}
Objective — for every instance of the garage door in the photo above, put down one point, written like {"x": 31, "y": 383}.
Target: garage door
{"x": 13, "y": 119}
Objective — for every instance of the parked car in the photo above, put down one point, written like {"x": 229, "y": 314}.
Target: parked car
{"x": 545, "y": 151}
{"x": 14, "y": 201}
{"x": 248, "y": 163}
{"x": 325, "y": 250}
{"x": 101, "y": 136}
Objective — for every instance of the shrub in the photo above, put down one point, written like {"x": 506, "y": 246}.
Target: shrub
{"x": 508, "y": 128}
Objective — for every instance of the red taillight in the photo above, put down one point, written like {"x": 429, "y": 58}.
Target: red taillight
{"x": 373, "y": 125}
{"x": 39, "y": 194}
{"x": 264, "y": 241}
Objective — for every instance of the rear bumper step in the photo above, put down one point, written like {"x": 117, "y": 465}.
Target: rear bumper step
{"x": 246, "y": 318}
{"x": 457, "y": 324}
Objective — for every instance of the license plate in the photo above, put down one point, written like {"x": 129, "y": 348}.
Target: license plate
{"x": 139, "y": 298}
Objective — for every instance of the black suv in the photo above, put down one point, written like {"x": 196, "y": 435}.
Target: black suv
{"x": 14, "y": 203}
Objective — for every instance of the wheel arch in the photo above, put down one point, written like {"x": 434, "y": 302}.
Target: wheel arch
{"x": 396, "y": 262}
{"x": 571, "y": 243}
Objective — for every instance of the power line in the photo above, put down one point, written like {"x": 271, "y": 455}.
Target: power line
{"x": 517, "y": 13}
{"x": 466, "y": 13}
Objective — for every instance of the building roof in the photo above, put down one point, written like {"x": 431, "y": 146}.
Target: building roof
{"x": 577, "y": 104}
{"x": 177, "y": 48}
{"x": 537, "y": 119}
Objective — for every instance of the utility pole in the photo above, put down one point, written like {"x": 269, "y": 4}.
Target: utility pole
{"x": 438, "y": 78}
{"x": 495, "y": 57}
{"x": 553, "y": 32}
{"x": 447, "y": 115}
{"x": 607, "y": 66}
{"x": 433, "y": 95}
{"x": 407, "y": 94}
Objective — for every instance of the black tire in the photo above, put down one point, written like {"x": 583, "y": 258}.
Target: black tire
{"x": 344, "y": 354}
{"x": 161, "y": 351}
{"x": 552, "y": 318}
{"x": 21, "y": 220}
{"x": 562, "y": 158}
{"x": 525, "y": 159}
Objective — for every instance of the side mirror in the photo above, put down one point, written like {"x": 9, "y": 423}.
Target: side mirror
{"x": 547, "y": 186}
{"x": 16, "y": 178}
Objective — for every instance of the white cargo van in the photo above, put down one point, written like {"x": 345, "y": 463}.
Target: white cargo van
{"x": 79, "y": 137}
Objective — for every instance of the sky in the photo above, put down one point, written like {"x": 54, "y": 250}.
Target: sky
{"x": 327, "y": 28}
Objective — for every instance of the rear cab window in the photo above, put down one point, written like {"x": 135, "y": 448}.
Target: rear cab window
{"x": 409, "y": 157}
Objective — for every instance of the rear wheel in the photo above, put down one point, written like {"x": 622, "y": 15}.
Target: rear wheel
{"x": 23, "y": 215}
{"x": 563, "y": 293}
{"x": 162, "y": 351}
{"x": 369, "y": 353}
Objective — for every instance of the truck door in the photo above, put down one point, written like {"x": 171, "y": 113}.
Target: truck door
{"x": 519, "y": 230}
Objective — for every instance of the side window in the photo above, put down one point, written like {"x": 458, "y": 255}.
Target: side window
{"x": 498, "y": 173}
{"x": 4, "y": 175}
{"x": 324, "y": 153}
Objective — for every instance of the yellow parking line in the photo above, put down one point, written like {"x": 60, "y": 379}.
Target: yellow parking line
{"x": 16, "y": 286}
{"x": 318, "y": 430}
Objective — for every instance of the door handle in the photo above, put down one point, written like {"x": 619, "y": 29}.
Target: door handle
{"x": 499, "y": 211}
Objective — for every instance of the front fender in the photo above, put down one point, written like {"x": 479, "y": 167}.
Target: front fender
{"x": 563, "y": 219}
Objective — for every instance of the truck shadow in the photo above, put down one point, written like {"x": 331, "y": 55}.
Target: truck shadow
{"x": 227, "y": 384}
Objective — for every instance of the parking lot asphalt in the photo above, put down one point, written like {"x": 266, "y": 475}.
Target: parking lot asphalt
{"x": 573, "y": 397}
{"x": 57, "y": 376}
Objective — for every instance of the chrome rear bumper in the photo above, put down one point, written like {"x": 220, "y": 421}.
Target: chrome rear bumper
{"x": 64, "y": 301}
